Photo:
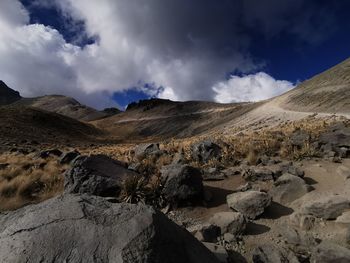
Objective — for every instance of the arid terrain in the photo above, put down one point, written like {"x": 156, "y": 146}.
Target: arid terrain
{"x": 242, "y": 182}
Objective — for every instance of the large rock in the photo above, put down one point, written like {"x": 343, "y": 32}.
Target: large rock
{"x": 327, "y": 252}
{"x": 273, "y": 254}
{"x": 96, "y": 175}
{"x": 328, "y": 207}
{"x": 288, "y": 188}
{"x": 74, "y": 228}
{"x": 251, "y": 203}
{"x": 182, "y": 183}
{"x": 147, "y": 149}
{"x": 229, "y": 222}
{"x": 205, "y": 151}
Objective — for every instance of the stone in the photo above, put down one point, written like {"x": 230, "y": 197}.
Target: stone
{"x": 343, "y": 171}
{"x": 208, "y": 233}
{"x": 82, "y": 228}
{"x": 218, "y": 250}
{"x": 327, "y": 252}
{"x": 46, "y": 154}
{"x": 288, "y": 188}
{"x": 328, "y": 207}
{"x": 271, "y": 254}
{"x": 69, "y": 157}
{"x": 251, "y": 203}
{"x": 258, "y": 174}
{"x": 182, "y": 184}
{"x": 229, "y": 222}
{"x": 144, "y": 150}
{"x": 305, "y": 222}
{"x": 292, "y": 169}
{"x": 205, "y": 151}
{"x": 344, "y": 218}
{"x": 96, "y": 175}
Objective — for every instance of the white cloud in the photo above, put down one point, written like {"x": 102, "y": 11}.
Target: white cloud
{"x": 254, "y": 87}
{"x": 182, "y": 46}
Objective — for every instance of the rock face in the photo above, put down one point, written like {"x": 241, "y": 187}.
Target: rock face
{"x": 229, "y": 222}
{"x": 328, "y": 253}
{"x": 7, "y": 95}
{"x": 251, "y": 203}
{"x": 269, "y": 254}
{"x": 74, "y": 228}
{"x": 96, "y": 175}
{"x": 182, "y": 183}
{"x": 288, "y": 188}
{"x": 329, "y": 207}
{"x": 143, "y": 150}
{"x": 205, "y": 151}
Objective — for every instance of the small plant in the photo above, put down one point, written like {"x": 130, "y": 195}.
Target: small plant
{"x": 134, "y": 190}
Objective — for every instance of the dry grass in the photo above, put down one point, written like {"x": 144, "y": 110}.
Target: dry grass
{"x": 28, "y": 179}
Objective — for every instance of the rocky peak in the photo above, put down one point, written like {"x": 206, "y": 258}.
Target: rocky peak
{"x": 7, "y": 95}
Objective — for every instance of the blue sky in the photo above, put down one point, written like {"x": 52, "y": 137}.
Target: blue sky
{"x": 192, "y": 57}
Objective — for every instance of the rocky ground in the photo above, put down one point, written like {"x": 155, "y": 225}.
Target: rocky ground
{"x": 278, "y": 195}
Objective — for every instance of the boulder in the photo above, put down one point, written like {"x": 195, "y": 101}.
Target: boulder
{"x": 305, "y": 222}
{"x": 205, "y": 151}
{"x": 344, "y": 218}
{"x": 229, "y": 222}
{"x": 328, "y": 207}
{"x": 251, "y": 203}
{"x": 96, "y": 175}
{"x": 299, "y": 138}
{"x": 147, "y": 149}
{"x": 219, "y": 252}
{"x": 271, "y": 254}
{"x": 288, "y": 188}
{"x": 327, "y": 252}
{"x": 182, "y": 184}
{"x": 69, "y": 157}
{"x": 258, "y": 174}
{"x": 82, "y": 228}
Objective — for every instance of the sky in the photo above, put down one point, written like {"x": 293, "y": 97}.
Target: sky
{"x": 111, "y": 52}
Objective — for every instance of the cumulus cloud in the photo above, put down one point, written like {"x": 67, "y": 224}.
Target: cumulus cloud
{"x": 182, "y": 48}
{"x": 254, "y": 87}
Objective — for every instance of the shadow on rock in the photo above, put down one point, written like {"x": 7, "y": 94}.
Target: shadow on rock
{"x": 256, "y": 229}
{"x": 276, "y": 210}
{"x": 218, "y": 196}
{"x": 310, "y": 181}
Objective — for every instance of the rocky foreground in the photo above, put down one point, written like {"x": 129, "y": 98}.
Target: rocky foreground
{"x": 204, "y": 203}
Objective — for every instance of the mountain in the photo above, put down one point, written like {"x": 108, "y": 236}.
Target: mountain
{"x": 64, "y": 105}
{"x": 163, "y": 119}
{"x": 21, "y": 123}
{"x": 327, "y": 92}
{"x": 7, "y": 95}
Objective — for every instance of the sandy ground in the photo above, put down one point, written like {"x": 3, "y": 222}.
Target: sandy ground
{"x": 321, "y": 174}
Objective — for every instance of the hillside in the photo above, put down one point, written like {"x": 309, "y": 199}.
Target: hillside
{"x": 163, "y": 119}
{"x": 19, "y": 124}
{"x": 327, "y": 92}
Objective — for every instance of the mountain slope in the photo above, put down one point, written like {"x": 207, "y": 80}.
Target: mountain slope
{"x": 163, "y": 119}
{"x": 7, "y": 95}
{"x": 327, "y": 92}
{"x": 19, "y": 123}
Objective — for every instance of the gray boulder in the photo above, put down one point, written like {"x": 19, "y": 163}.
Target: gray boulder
{"x": 273, "y": 254}
{"x": 147, "y": 149}
{"x": 328, "y": 207}
{"x": 251, "y": 203}
{"x": 229, "y": 222}
{"x": 205, "y": 151}
{"x": 327, "y": 252}
{"x": 288, "y": 188}
{"x": 182, "y": 184}
{"x": 96, "y": 175}
{"x": 74, "y": 228}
